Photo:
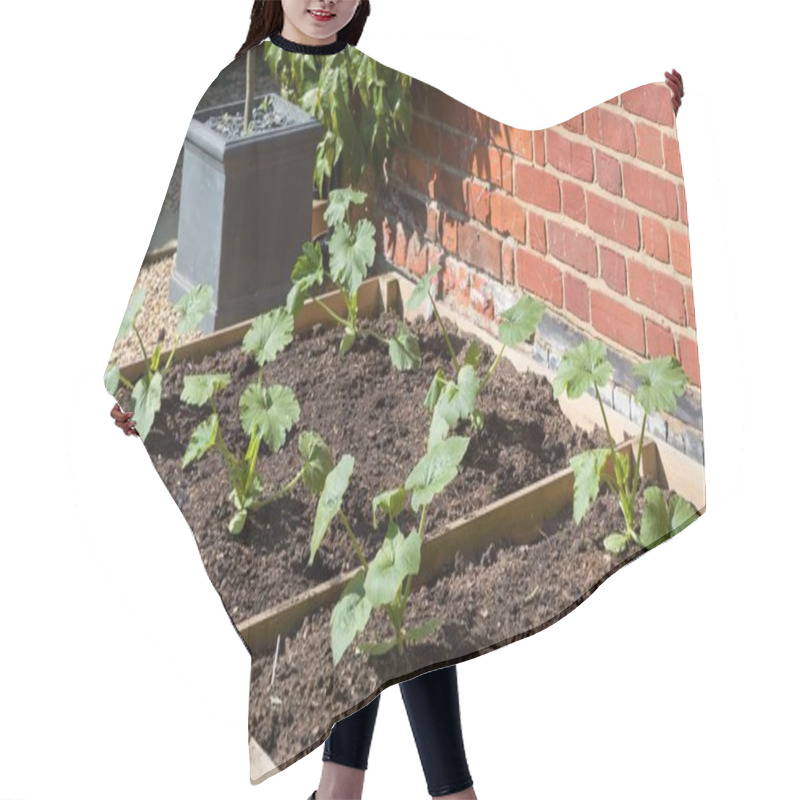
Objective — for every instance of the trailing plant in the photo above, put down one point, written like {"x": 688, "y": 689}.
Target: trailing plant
{"x": 385, "y": 581}
{"x": 265, "y": 414}
{"x": 364, "y": 107}
{"x": 146, "y": 393}
{"x": 352, "y": 253}
{"x": 661, "y": 381}
{"x": 450, "y": 400}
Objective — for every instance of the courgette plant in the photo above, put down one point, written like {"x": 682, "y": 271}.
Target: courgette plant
{"x": 352, "y": 253}
{"x": 385, "y": 581}
{"x": 265, "y": 414}
{"x": 661, "y": 381}
{"x": 452, "y": 399}
{"x": 146, "y": 393}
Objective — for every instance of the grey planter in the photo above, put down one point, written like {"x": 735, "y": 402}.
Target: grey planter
{"x": 245, "y": 212}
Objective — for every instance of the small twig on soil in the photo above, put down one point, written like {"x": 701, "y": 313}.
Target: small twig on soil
{"x": 275, "y": 660}
{"x": 531, "y": 596}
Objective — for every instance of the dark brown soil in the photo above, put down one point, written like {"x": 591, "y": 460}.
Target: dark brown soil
{"x": 506, "y": 594}
{"x": 361, "y": 405}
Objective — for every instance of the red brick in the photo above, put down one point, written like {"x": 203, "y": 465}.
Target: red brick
{"x": 572, "y": 248}
{"x": 521, "y": 143}
{"x": 690, "y": 307}
{"x": 648, "y": 144}
{"x": 652, "y": 101}
{"x": 398, "y": 164}
{"x": 400, "y": 244}
{"x": 447, "y": 109}
{"x": 506, "y": 138}
{"x": 568, "y": 156}
{"x": 388, "y": 239}
{"x": 480, "y": 295}
{"x": 538, "y": 187}
{"x": 449, "y": 232}
{"x": 538, "y": 147}
{"x": 617, "y": 321}
{"x": 456, "y": 281}
{"x": 612, "y": 220}
{"x": 435, "y": 256}
{"x": 480, "y": 164}
{"x": 508, "y": 216}
{"x": 656, "y": 240}
{"x": 672, "y": 155}
{"x": 417, "y": 173}
{"x": 536, "y": 232}
{"x": 456, "y": 149}
{"x": 508, "y": 172}
{"x": 539, "y": 277}
{"x": 660, "y": 341}
{"x": 575, "y": 124}
{"x": 495, "y": 165}
{"x": 611, "y": 129}
{"x": 657, "y": 290}
{"x": 417, "y": 255}
{"x": 480, "y": 247}
{"x": 432, "y": 229}
{"x": 448, "y": 188}
{"x": 613, "y": 101}
{"x": 419, "y": 96}
{"x": 574, "y": 200}
{"x": 609, "y": 176}
{"x": 681, "y": 256}
{"x": 477, "y": 124}
{"x": 507, "y": 256}
{"x": 425, "y": 137}
{"x": 647, "y": 189}
{"x": 688, "y": 357}
{"x": 576, "y": 296}
{"x": 684, "y": 216}
{"x": 613, "y": 270}
{"x": 478, "y": 207}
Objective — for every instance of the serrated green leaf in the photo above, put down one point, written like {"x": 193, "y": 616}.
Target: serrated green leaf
{"x": 201, "y": 440}
{"x": 147, "y": 401}
{"x": 269, "y": 334}
{"x": 404, "y": 349}
{"x": 662, "y": 382}
{"x": 473, "y": 354}
{"x": 435, "y": 470}
{"x": 199, "y": 389}
{"x": 192, "y": 307}
{"x": 434, "y": 390}
{"x": 317, "y": 460}
{"x": 655, "y": 518}
{"x": 350, "y": 616}
{"x": 330, "y": 501}
{"x": 615, "y": 542}
{"x": 398, "y": 557}
{"x": 339, "y": 201}
{"x": 519, "y": 323}
{"x": 296, "y": 298}
{"x": 111, "y": 378}
{"x": 391, "y": 502}
{"x": 351, "y": 254}
{"x": 376, "y": 648}
{"x": 270, "y": 411}
{"x": 588, "y": 469}
{"x": 456, "y": 401}
{"x": 681, "y": 514}
{"x": 423, "y": 288}
{"x": 580, "y": 367}
{"x": 135, "y": 303}
{"x": 421, "y": 631}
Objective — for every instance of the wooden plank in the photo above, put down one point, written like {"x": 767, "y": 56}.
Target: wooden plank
{"x": 261, "y": 765}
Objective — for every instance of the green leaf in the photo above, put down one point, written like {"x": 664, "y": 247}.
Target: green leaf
{"x": 376, "y": 648}
{"x": 350, "y": 616}
{"x": 308, "y": 271}
{"x": 147, "y": 401}
{"x": 339, "y": 201}
{"x": 198, "y": 389}
{"x": 473, "y": 354}
{"x": 456, "y": 401}
{"x": 330, "y": 501}
{"x": 202, "y": 439}
{"x": 296, "y": 298}
{"x": 615, "y": 542}
{"x": 352, "y": 253}
{"x": 192, "y": 307}
{"x": 435, "y": 470}
{"x": 111, "y": 379}
{"x": 434, "y": 390}
{"x": 271, "y": 412}
{"x": 422, "y": 289}
{"x": 391, "y": 502}
{"x": 662, "y": 382}
{"x": 519, "y": 323}
{"x": 581, "y": 367}
{"x": 269, "y": 334}
{"x": 135, "y": 303}
{"x": 317, "y": 460}
{"x": 347, "y": 340}
{"x": 681, "y": 514}
{"x": 420, "y": 632}
{"x": 655, "y": 518}
{"x": 236, "y": 525}
{"x": 404, "y": 349}
{"x": 588, "y": 469}
{"x": 398, "y": 556}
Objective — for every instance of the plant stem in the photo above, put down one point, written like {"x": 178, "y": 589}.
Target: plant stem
{"x": 169, "y": 360}
{"x": 489, "y": 374}
{"x": 367, "y": 332}
{"x": 340, "y": 320}
{"x": 639, "y": 458}
{"x": 453, "y": 358}
{"x": 279, "y": 493}
{"x": 128, "y": 383}
{"x": 605, "y": 419}
{"x": 353, "y": 540}
{"x": 141, "y": 343}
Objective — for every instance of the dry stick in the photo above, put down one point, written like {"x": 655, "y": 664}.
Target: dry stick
{"x": 275, "y": 660}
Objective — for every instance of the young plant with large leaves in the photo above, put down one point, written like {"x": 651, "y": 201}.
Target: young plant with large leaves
{"x": 146, "y": 393}
{"x": 452, "y": 399}
{"x": 385, "y": 581}
{"x": 352, "y": 253}
{"x": 661, "y": 381}
{"x": 266, "y": 414}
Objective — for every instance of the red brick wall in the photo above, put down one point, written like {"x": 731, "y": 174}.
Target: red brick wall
{"x": 589, "y": 216}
